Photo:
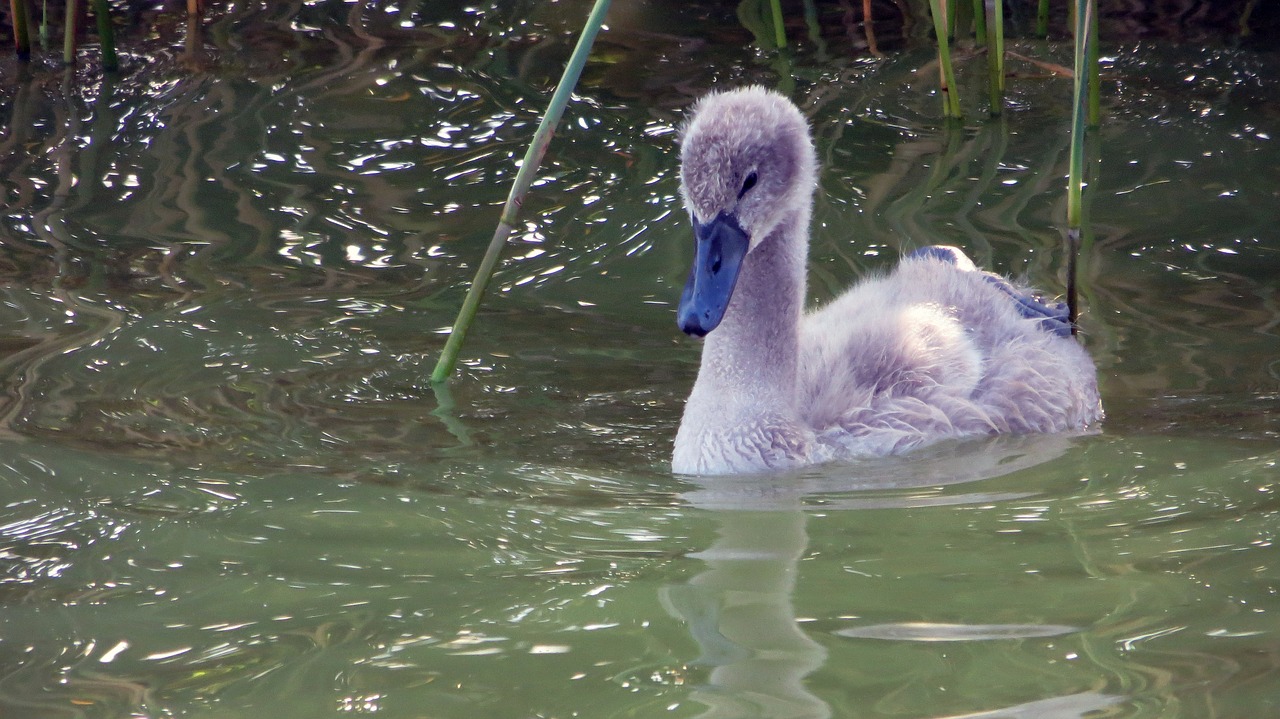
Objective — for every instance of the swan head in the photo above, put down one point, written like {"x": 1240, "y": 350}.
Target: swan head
{"x": 746, "y": 164}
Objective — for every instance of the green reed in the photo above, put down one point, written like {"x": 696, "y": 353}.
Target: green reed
{"x": 979, "y": 22}
{"x": 524, "y": 179}
{"x": 1095, "y": 80}
{"x": 993, "y": 10}
{"x": 69, "y": 31}
{"x": 106, "y": 35}
{"x": 1083, "y": 105}
{"x": 44, "y": 25}
{"x": 947, "y": 83}
{"x": 960, "y": 17}
{"x": 71, "y": 18}
{"x": 779, "y": 32}
{"x": 21, "y": 36}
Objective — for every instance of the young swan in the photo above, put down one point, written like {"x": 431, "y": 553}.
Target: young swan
{"x": 935, "y": 349}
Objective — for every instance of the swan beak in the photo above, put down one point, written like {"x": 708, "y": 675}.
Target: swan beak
{"x": 720, "y": 246}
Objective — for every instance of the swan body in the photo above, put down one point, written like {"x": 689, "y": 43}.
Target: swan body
{"x": 934, "y": 349}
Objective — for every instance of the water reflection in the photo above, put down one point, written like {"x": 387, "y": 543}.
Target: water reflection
{"x": 740, "y": 609}
{"x": 1076, "y": 706}
{"x": 740, "y": 612}
{"x": 939, "y": 632}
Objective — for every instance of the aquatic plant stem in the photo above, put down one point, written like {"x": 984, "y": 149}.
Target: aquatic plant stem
{"x": 1095, "y": 79}
{"x": 979, "y": 23}
{"x": 21, "y": 37}
{"x": 69, "y": 29}
{"x": 994, "y": 10}
{"x": 106, "y": 35}
{"x": 1085, "y": 10}
{"x": 1042, "y": 19}
{"x": 1243, "y": 23}
{"x": 779, "y": 33}
{"x": 868, "y": 29}
{"x": 524, "y": 179}
{"x": 959, "y": 19}
{"x": 950, "y": 98}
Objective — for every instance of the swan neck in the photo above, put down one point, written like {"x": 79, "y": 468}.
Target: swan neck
{"x": 756, "y": 345}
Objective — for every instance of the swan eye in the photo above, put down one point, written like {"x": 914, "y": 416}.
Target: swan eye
{"x": 747, "y": 184}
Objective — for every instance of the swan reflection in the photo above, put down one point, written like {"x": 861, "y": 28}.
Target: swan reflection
{"x": 740, "y": 609}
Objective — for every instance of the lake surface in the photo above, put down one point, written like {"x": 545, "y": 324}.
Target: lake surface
{"x": 228, "y": 490}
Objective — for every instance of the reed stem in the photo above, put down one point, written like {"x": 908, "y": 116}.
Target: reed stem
{"x": 868, "y": 29}
{"x": 779, "y": 33}
{"x": 21, "y": 34}
{"x": 979, "y": 23}
{"x": 106, "y": 35}
{"x": 1073, "y": 271}
{"x": 1084, "y": 25}
{"x": 1095, "y": 79}
{"x": 950, "y": 98}
{"x": 1084, "y": 9}
{"x": 995, "y": 53}
{"x": 959, "y": 19}
{"x": 1042, "y": 19}
{"x": 524, "y": 179}
{"x": 1243, "y": 23}
{"x": 44, "y": 25}
{"x": 69, "y": 30}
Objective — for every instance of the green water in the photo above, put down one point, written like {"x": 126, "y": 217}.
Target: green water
{"x": 227, "y": 490}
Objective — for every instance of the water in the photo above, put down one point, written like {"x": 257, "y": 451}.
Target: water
{"x": 228, "y": 490}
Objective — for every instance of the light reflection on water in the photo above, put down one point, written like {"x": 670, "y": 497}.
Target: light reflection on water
{"x": 227, "y": 489}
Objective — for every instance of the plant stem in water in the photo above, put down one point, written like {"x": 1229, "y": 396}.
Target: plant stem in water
{"x": 979, "y": 23}
{"x": 959, "y": 19}
{"x": 1095, "y": 80}
{"x": 995, "y": 53}
{"x": 69, "y": 29}
{"x": 1073, "y": 293}
{"x": 779, "y": 33}
{"x": 524, "y": 179}
{"x": 950, "y": 98}
{"x": 21, "y": 38}
{"x": 869, "y": 29}
{"x": 106, "y": 35}
{"x": 1244, "y": 18}
{"x": 1085, "y": 10}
